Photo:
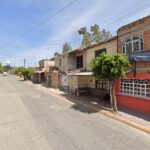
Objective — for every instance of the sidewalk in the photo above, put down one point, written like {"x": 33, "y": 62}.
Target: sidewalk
{"x": 131, "y": 118}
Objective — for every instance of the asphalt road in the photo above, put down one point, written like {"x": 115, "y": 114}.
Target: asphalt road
{"x": 32, "y": 119}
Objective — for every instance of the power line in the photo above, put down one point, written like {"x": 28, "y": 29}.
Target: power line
{"x": 39, "y": 24}
{"x": 126, "y": 15}
{"x": 50, "y": 17}
{"x": 45, "y": 46}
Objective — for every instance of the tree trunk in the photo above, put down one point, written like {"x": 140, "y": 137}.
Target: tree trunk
{"x": 112, "y": 96}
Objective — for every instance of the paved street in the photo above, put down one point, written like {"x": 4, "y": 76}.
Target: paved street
{"x": 31, "y": 119}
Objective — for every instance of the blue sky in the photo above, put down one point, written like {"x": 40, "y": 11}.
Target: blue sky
{"x": 19, "y": 16}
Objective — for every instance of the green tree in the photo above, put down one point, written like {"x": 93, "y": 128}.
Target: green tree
{"x": 112, "y": 68}
{"x": 105, "y": 34}
{"x": 95, "y": 35}
{"x": 87, "y": 40}
{"x": 1, "y": 68}
{"x": 26, "y": 73}
{"x": 7, "y": 68}
{"x": 66, "y": 47}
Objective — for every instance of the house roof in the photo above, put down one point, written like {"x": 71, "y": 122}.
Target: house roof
{"x": 44, "y": 60}
{"x": 78, "y": 50}
{"x": 134, "y": 22}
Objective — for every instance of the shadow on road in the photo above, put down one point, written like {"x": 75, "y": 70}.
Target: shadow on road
{"x": 82, "y": 109}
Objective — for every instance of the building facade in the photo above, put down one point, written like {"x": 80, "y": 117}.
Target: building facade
{"x": 42, "y": 74}
{"x": 81, "y": 77}
{"x": 74, "y": 69}
{"x": 134, "y": 41}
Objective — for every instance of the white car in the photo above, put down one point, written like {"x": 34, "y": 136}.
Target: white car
{"x": 5, "y": 74}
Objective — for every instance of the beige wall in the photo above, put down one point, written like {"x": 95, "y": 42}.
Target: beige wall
{"x": 78, "y": 82}
{"x": 61, "y": 62}
{"x": 68, "y": 61}
{"x": 111, "y": 48}
{"x": 73, "y": 83}
{"x": 92, "y": 82}
{"x": 45, "y": 64}
{"x": 83, "y": 81}
{"x": 54, "y": 79}
{"x": 71, "y": 62}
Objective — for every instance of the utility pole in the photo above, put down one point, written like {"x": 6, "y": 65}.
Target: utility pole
{"x": 24, "y": 61}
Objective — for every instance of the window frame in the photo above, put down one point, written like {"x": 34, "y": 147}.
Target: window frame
{"x": 132, "y": 41}
{"x": 79, "y": 64}
{"x": 100, "y": 51}
{"x": 135, "y": 87}
{"x": 101, "y": 84}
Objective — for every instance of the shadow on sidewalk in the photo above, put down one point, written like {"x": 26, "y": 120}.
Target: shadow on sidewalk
{"x": 81, "y": 101}
{"x": 82, "y": 109}
{"x": 100, "y": 105}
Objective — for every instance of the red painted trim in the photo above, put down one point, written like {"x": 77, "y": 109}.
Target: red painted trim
{"x": 135, "y": 103}
{"x": 140, "y": 104}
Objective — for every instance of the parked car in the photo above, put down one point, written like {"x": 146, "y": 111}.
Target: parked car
{"x": 5, "y": 74}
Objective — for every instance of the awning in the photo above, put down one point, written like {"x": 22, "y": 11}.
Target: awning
{"x": 140, "y": 56}
{"x": 39, "y": 71}
{"x": 80, "y": 73}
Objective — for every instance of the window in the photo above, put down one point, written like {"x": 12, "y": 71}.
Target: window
{"x": 79, "y": 61}
{"x": 59, "y": 62}
{"x": 133, "y": 44}
{"x": 101, "y": 84}
{"x": 135, "y": 87}
{"x": 98, "y": 52}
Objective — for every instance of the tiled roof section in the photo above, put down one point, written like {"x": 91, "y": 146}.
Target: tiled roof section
{"x": 92, "y": 45}
{"x": 44, "y": 60}
{"x": 134, "y": 22}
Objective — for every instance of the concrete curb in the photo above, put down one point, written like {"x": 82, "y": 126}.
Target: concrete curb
{"x": 106, "y": 113}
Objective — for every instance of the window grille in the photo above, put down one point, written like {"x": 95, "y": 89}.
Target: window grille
{"x": 135, "y": 87}
{"x": 101, "y": 84}
{"x": 133, "y": 44}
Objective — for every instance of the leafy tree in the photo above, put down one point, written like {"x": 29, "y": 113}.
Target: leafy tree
{"x": 66, "y": 47}
{"x": 26, "y": 73}
{"x": 7, "y": 68}
{"x": 112, "y": 68}
{"x": 95, "y": 35}
{"x": 86, "y": 36}
{"x": 1, "y": 68}
{"x": 105, "y": 34}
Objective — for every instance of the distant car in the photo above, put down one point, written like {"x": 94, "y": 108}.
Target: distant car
{"x": 5, "y": 74}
